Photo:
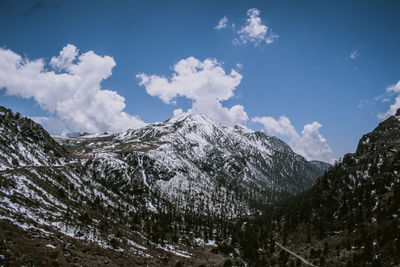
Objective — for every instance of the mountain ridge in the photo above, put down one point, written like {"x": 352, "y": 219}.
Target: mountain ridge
{"x": 350, "y": 217}
{"x": 174, "y": 184}
{"x": 202, "y": 147}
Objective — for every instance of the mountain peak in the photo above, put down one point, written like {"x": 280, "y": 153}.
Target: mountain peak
{"x": 187, "y": 166}
{"x": 192, "y": 118}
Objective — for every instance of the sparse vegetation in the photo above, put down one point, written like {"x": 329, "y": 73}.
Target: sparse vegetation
{"x": 114, "y": 210}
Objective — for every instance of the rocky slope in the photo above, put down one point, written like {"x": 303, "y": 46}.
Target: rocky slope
{"x": 48, "y": 193}
{"x": 350, "y": 217}
{"x": 149, "y": 194}
{"x": 198, "y": 164}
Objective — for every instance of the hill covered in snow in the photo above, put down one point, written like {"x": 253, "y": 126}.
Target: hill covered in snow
{"x": 149, "y": 192}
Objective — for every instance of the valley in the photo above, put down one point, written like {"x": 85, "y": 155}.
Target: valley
{"x": 191, "y": 192}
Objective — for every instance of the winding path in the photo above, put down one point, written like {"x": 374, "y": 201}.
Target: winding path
{"x": 306, "y": 262}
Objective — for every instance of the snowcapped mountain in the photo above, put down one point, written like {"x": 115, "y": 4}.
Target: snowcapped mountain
{"x": 197, "y": 164}
{"x": 46, "y": 191}
{"x": 136, "y": 190}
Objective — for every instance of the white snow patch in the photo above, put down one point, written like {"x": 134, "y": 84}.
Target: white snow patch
{"x": 173, "y": 250}
{"x": 136, "y": 245}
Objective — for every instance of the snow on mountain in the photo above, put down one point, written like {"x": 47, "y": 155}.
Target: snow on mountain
{"x": 197, "y": 164}
{"x": 160, "y": 182}
{"x": 352, "y": 211}
{"x": 44, "y": 189}
{"x": 26, "y": 144}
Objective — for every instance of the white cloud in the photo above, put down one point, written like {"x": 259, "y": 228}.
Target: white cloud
{"x": 67, "y": 55}
{"x": 254, "y": 31}
{"x": 309, "y": 144}
{"x": 354, "y": 54}
{"x": 222, "y": 24}
{"x": 394, "y": 88}
{"x": 179, "y": 112}
{"x": 203, "y": 82}
{"x": 392, "y": 109}
{"x": 282, "y": 126}
{"x": 74, "y": 95}
{"x": 312, "y": 145}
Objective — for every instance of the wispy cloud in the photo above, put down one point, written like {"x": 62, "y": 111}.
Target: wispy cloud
{"x": 354, "y": 54}
{"x": 222, "y": 23}
{"x": 254, "y": 31}
{"x": 363, "y": 103}
{"x": 393, "y": 89}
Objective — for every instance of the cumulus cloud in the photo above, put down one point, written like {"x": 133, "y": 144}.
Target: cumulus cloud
{"x": 205, "y": 83}
{"x": 222, "y": 24}
{"x": 310, "y": 143}
{"x": 74, "y": 94}
{"x": 67, "y": 55}
{"x": 254, "y": 31}
{"x": 394, "y": 89}
{"x": 282, "y": 126}
{"x": 354, "y": 54}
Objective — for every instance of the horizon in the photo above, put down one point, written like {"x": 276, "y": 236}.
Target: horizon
{"x": 316, "y": 75}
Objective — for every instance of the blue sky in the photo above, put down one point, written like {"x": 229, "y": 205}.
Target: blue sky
{"x": 306, "y": 74}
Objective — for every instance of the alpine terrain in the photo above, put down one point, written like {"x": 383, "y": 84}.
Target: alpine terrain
{"x": 164, "y": 194}
{"x": 192, "y": 192}
{"x": 349, "y": 218}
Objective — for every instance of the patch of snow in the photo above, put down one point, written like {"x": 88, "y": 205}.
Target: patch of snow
{"x": 173, "y": 250}
{"x": 136, "y": 245}
{"x": 50, "y": 246}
